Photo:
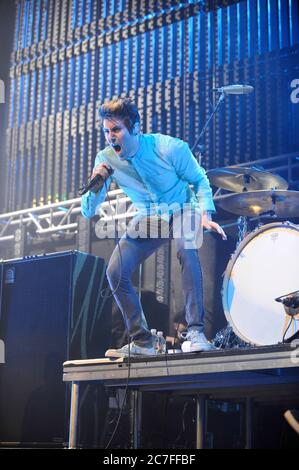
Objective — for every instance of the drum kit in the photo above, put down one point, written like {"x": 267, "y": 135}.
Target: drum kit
{"x": 265, "y": 266}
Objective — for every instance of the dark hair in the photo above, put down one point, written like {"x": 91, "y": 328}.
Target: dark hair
{"x": 121, "y": 108}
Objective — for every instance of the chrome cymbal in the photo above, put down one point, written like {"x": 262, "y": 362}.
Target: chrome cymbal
{"x": 241, "y": 179}
{"x": 283, "y": 204}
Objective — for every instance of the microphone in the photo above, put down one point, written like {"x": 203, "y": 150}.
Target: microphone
{"x": 235, "y": 89}
{"x": 98, "y": 180}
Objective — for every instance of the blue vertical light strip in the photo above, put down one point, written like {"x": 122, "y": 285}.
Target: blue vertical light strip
{"x": 234, "y": 36}
{"x": 264, "y": 27}
{"x": 137, "y": 45}
{"x": 291, "y": 22}
{"x": 49, "y": 88}
{"x": 154, "y": 52}
{"x": 37, "y": 21}
{"x": 202, "y": 42}
{"x": 75, "y": 13}
{"x": 13, "y": 93}
{"x": 279, "y": 23}
{"x": 210, "y": 39}
{"x": 89, "y": 11}
{"x": 157, "y": 59}
{"x": 129, "y": 62}
{"x": 76, "y": 85}
{"x": 45, "y": 22}
{"x": 106, "y": 6}
{"x": 82, "y": 11}
{"x": 17, "y": 27}
{"x": 219, "y": 44}
{"x": 113, "y": 7}
{"x": 34, "y": 79}
{"x": 172, "y": 50}
{"x": 249, "y": 28}
{"x": 88, "y": 77}
{"x": 112, "y": 70}
{"x": 120, "y": 77}
{"x": 21, "y": 85}
{"x": 27, "y": 88}
{"x": 242, "y": 28}
{"x": 80, "y": 75}
{"x": 102, "y": 72}
{"x": 239, "y": 32}
{"x": 146, "y": 60}
{"x": 258, "y": 26}
{"x": 295, "y": 15}
{"x": 270, "y": 26}
{"x": 274, "y": 25}
{"x": 72, "y": 88}
{"x": 30, "y": 24}
{"x": 25, "y": 23}
{"x": 191, "y": 44}
{"x": 165, "y": 54}
{"x": 40, "y": 98}
{"x": 229, "y": 34}
{"x": 181, "y": 49}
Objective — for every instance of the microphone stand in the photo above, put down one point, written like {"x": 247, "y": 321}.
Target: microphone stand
{"x": 215, "y": 109}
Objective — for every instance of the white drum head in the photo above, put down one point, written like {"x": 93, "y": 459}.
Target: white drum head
{"x": 264, "y": 267}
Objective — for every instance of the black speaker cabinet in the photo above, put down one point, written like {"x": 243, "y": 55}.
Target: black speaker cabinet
{"x": 52, "y": 310}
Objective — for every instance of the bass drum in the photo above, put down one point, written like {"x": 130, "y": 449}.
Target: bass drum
{"x": 265, "y": 266}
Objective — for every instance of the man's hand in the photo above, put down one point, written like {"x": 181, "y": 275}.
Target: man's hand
{"x": 208, "y": 224}
{"x": 102, "y": 170}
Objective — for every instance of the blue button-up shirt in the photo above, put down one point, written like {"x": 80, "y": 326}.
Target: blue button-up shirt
{"x": 161, "y": 172}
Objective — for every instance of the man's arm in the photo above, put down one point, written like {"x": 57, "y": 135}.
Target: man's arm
{"x": 188, "y": 169}
{"x": 93, "y": 198}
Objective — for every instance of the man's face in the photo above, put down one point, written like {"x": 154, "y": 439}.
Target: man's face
{"x": 119, "y": 138}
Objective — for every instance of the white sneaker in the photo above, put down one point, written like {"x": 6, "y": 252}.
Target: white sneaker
{"x": 135, "y": 350}
{"x": 196, "y": 341}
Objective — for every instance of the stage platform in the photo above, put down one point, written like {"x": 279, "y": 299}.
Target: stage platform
{"x": 257, "y": 373}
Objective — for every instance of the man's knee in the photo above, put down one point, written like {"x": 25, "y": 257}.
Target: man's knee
{"x": 112, "y": 273}
{"x": 115, "y": 271}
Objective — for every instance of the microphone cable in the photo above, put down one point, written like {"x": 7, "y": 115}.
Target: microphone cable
{"x": 116, "y": 239}
{"x": 288, "y": 327}
{"x": 104, "y": 294}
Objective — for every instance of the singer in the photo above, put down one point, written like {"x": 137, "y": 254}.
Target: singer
{"x": 152, "y": 169}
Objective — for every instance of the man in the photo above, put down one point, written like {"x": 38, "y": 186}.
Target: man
{"x": 154, "y": 171}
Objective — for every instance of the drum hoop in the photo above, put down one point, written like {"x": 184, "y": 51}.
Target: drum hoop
{"x": 231, "y": 263}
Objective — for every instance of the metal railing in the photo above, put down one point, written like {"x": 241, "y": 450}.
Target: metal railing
{"x": 62, "y": 216}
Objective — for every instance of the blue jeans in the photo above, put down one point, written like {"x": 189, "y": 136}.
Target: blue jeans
{"x": 134, "y": 251}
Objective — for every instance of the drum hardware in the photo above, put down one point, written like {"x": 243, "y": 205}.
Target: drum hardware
{"x": 291, "y": 306}
{"x": 244, "y": 179}
{"x": 227, "y": 339}
{"x": 290, "y": 303}
{"x": 242, "y": 229}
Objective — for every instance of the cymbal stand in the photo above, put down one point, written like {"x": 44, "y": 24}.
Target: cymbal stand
{"x": 242, "y": 228}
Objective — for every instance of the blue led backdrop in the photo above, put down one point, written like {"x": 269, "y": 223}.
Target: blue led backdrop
{"x": 70, "y": 55}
